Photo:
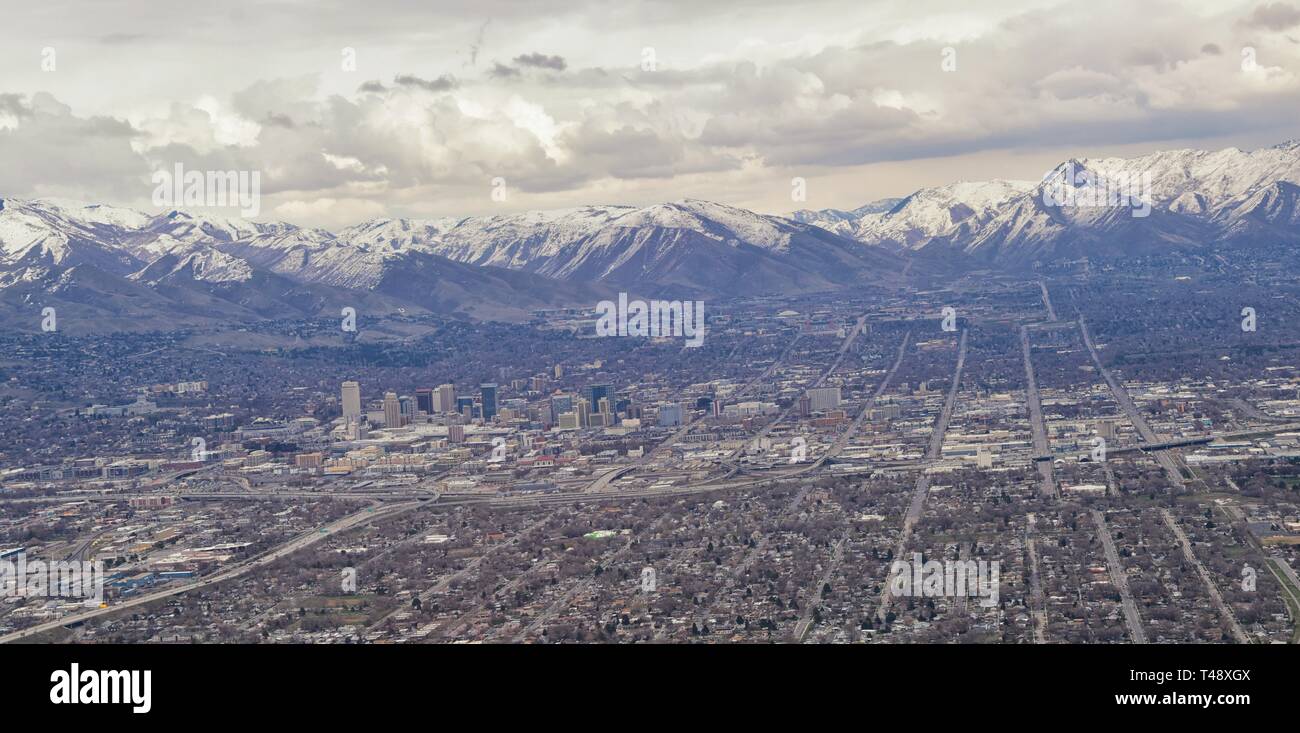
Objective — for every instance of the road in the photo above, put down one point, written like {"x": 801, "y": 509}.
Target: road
{"x": 751, "y": 555}
{"x": 1290, "y": 585}
{"x": 1047, "y": 300}
{"x": 813, "y": 598}
{"x": 1119, "y": 579}
{"x": 847, "y": 435}
{"x": 1117, "y": 391}
{"x": 567, "y": 599}
{"x": 603, "y": 481}
{"x": 1237, "y": 632}
{"x": 1037, "y": 608}
{"x": 302, "y": 541}
{"x": 1036, "y": 425}
{"x": 472, "y": 566}
{"x": 81, "y": 551}
{"x": 922, "y": 488}
{"x": 829, "y": 370}
{"x": 1254, "y": 412}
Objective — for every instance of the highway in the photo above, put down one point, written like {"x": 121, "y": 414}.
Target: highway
{"x": 256, "y": 495}
{"x": 81, "y": 551}
{"x": 1119, "y": 579}
{"x": 1175, "y": 443}
{"x": 302, "y": 541}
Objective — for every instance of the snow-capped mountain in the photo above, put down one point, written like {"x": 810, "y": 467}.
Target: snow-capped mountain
{"x": 945, "y": 211}
{"x": 1096, "y": 206}
{"x": 180, "y": 267}
{"x": 687, "y": 247}
{"x": 840, "y": 221}
{"x": 124, "y": 269}
{"x": 492, "y": 267}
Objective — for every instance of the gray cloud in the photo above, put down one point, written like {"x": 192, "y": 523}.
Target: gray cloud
{"x": 541, "y": 61}
{"x": 739, "y": 92}
{"x": 51, "y": 152}
{"x": 441, "y": 84}
{"x": 1274, "y": 17}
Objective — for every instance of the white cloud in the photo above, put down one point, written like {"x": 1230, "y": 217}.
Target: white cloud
{"x": 744, "y": 92}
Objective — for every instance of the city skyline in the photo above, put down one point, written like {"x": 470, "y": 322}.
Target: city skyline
{"x": 966, "y": 333}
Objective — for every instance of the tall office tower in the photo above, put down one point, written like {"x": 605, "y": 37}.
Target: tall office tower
{"x": 538, "y": 383}
{"x": 465, "y": 406}
{"x": 805, "y": 406}
{"x": 424, "y": 400}
{"x": 824, "y": 398}
{"x": 584, "y": 412}
{"x": 446, "y": 398}
{"x": 559, "y": 371}
{"x": 604, "y": 406}
{"x": 670, "y": 414}
{"x": 352, "y": 400}
{"x": 488, "y": 396}
{"x": 597, "y": 392}
{"x": 561, "y": 403}
{"x": 408, "y": 410}
{"x": 392, "y": 410}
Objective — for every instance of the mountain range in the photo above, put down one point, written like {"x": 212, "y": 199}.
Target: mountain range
{"x": 1183, "y": 199}
{"x": 113, "y": 268}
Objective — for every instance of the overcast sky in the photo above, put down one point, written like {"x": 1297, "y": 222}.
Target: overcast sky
{"x": 617, "y": 101}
